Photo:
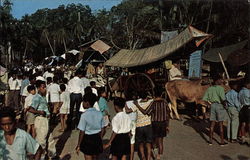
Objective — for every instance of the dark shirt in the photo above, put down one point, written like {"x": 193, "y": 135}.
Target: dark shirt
{"x": 159, "y": 111}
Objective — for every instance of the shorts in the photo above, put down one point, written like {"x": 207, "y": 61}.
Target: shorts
{"x": 245, "y": 114}
{"x": 217, "y": 112}
{"x": 91, "y": 144}
{"x": 120, "y": 145}
{"x": 144, "y": 134}
{"x": 159, "y": 129}
{"x": 30, "y": 118}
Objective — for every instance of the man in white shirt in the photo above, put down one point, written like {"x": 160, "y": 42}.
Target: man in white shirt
{"x": 48, "y": 73}
{"x": 75, "y": 87}
{"x": 54, "y": 94}
{"x": 14, "y": 100}
{"x": 174, "y": 72}
{"x": 85, "y": 80}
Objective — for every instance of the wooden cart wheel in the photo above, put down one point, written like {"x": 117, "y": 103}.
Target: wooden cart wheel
{"x": 138, "y": 83}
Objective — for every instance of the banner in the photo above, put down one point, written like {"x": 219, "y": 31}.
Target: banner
{"x": 195, "y": 64}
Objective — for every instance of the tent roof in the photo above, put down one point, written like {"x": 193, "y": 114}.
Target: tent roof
{"x": 212, "y": 54}
{"x": 131, "y": 58}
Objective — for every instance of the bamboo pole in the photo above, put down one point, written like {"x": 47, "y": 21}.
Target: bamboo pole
{"x": 223, "y": 64}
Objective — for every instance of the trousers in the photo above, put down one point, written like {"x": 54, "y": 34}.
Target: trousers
{"x": 233, "y": 123}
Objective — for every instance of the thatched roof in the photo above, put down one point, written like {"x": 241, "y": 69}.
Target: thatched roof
{"x": 131, "y": 58}
{"x": 213, "y": 56}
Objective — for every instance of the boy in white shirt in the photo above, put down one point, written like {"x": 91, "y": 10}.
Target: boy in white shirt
{"x": 30, "y": 117}
{"x": 121, "y": 126}
{"x": 64, "y": 106}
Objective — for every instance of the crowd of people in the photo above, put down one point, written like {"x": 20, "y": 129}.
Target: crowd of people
{"x": 46, "y": 99}
{"x": 232, "y": 107}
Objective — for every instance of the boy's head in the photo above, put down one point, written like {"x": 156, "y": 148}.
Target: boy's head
{"x": 49, "y": 80}
{"x": 87, "y": 90}
{"x": 31, "y": 89}
{"x": 158, "y": 91}
{"x": 119, "y": 104}
{"x": 217, "y": 80}
{"x": 41, "y": 87}
{"x": 8, "y": 120}
{"x": 233, "y": 85}
{"x": 143, "y": 95}
{"x": 89, "y": 100}
{"x": 101, "y": 92}
{"x": 62, "y": 87}
{"x": 32, "y": 79}
{"x": 93, "y": 84}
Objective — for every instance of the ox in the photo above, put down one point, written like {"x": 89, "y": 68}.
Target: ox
{"x": 186, "y": 91}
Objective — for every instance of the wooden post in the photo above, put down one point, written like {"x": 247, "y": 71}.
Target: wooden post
{"x": 223, "y": 64}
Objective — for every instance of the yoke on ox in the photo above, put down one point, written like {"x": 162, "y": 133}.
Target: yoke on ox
{"x": 186, "y": 91}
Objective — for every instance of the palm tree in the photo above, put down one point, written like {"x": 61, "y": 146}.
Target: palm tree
{"x": 61, "y": 37}
{"x": 45, "y": 35}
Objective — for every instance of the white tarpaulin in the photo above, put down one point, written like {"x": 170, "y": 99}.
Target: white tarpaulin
{"x": 63, "y": 56}
{"x": 74, "y": 52}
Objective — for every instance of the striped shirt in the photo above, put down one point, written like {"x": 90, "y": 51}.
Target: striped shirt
{"x": 159, "y": 111}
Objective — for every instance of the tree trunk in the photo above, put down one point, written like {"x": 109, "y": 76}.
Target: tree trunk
{"x": 65, "y": 47}
{"x": 49, "y": 44}
{"x": 25, "y": 50}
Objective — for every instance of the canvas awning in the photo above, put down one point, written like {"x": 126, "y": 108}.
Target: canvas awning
{"x": 212, "y": 54}
{"x": 239, "y": 57}
{"x": 131, "y": 58}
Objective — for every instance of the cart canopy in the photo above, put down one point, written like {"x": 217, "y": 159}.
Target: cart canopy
{"x": 130, "y": 58}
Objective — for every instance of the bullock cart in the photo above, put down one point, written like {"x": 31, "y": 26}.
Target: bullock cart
{"x": 139, "y": 82}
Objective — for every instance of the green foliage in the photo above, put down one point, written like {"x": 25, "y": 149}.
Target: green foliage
{"x": 132, "y": 24}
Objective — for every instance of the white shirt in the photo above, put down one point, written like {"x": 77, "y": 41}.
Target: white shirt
{"x": 28, "y": 101}
{"x": 54, "y": 92}
{"x": 75, "y": 85}
{"x": 13, "y": 84}
{"x": 48, "y": 74}
{"x": 94, "y": 91}
{"x": 86, "y": 82}
{"x": 173, "y": 73}
{"x": 96, "y": 106}
{"x": 65, "y": 99}
{"x": 121, "y": 123}
{"x": 132, "y": 115}
{"x": 40, "y": 78}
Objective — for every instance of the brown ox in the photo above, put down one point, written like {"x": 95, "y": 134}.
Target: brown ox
{"x": 186, "y": 91}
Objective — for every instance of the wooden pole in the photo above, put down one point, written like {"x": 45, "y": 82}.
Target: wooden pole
{"x": 223, "y": 64}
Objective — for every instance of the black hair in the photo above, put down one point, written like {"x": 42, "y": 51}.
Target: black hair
{"x": 65, "y": 80}
{"x": 30, "y": 88}
{"x": 92, "y": 83}
{"x": 216, "y": 77}
{"x": 32, "y": 77}
{"x": 100, "y": 91}
{"x": 39, "y": 83}
{"x": 232, "y": 83}
{"x": 143, "y": 95}
{"x": 8, "y": 112}
{"x": 62, "y": 87}
{"x": 90, "y": 97}
{"x": 49, "y": 79}
{"x": 55, "y": 79}
{"x": 88, "y": 90}
{"x": 158, "y": 91}
{"x": 119, "y": 102}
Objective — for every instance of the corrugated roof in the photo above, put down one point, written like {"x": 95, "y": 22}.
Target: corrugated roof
{"x": 131, "y": 58}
